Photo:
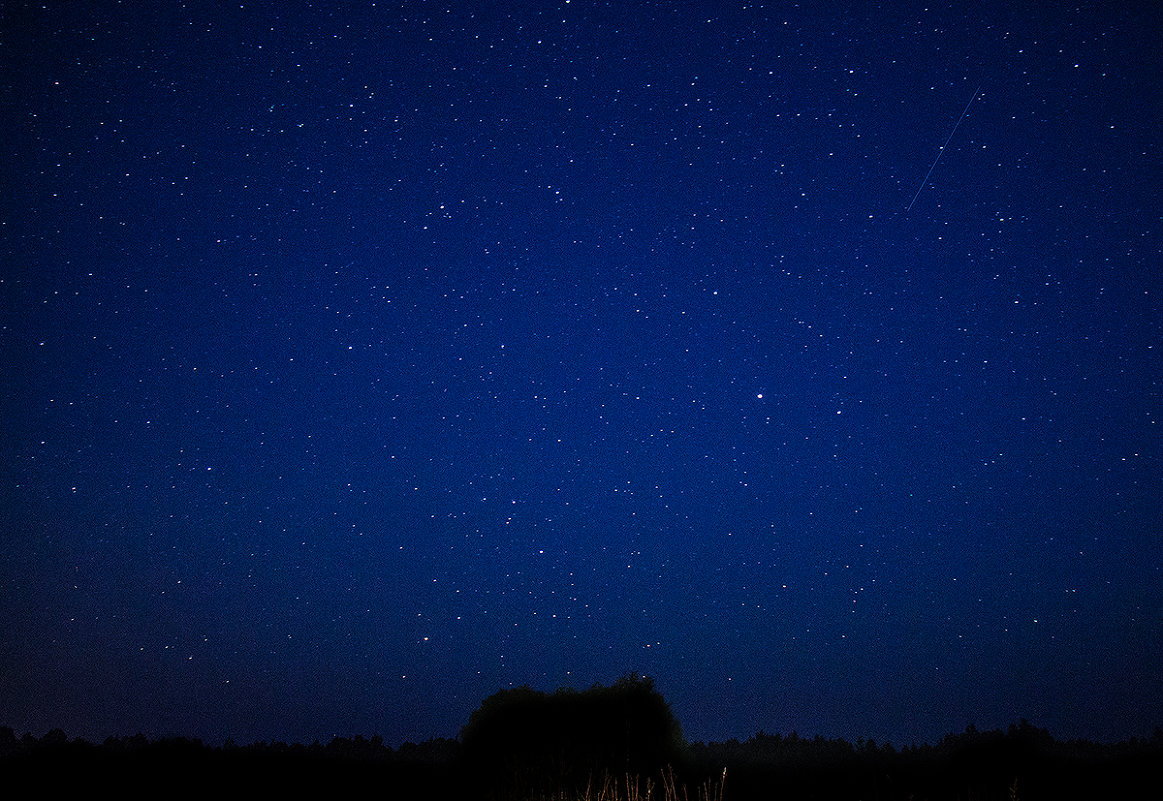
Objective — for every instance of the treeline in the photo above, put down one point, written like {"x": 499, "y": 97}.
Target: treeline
{"x": 527, "y": 745}
{"x": 1021, "y": 762}
{"x": 137, "y": 767}
{"x": 359, "y": 748}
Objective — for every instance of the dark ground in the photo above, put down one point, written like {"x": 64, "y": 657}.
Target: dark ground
{"x": 1023, "y": 762}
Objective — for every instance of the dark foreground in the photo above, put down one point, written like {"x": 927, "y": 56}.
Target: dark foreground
{"x": 1021, "y": 763}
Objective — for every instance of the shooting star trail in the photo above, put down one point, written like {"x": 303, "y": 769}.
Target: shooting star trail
{"x": 942, "y": 150}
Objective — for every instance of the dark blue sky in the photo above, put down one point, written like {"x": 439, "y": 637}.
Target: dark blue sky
{"x": 361, "y": 359}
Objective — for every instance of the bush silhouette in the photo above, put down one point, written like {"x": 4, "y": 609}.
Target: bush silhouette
{"x": 523, "y": 740}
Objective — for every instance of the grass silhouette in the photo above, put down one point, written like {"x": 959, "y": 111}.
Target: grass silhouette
{"x": 638, "y": 788}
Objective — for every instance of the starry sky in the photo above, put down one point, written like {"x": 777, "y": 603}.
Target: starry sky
{"x": 361, "y": 359}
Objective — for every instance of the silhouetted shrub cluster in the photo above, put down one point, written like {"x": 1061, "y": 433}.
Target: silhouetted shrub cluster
{"x": 522, "y": 741}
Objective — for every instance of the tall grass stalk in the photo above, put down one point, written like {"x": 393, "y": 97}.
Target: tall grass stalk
{"x": 638, "y": 788}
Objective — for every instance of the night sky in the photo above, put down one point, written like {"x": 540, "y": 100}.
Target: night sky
{"x": 359, "y": 360}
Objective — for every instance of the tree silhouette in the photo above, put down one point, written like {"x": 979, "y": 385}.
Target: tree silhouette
{"x": 524, "y": 740}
